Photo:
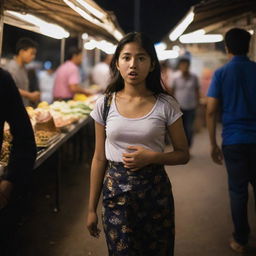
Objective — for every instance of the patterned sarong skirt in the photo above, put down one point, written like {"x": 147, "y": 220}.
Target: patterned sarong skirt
{"x": 138, "y": 211}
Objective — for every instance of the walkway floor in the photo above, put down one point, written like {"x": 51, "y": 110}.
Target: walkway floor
{"x": 203, "y": 222}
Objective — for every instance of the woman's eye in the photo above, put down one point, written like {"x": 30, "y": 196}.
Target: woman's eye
{"x": 126, "y": 58}
{"x": 141, "y": 58}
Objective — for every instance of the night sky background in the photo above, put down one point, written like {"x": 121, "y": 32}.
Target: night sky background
{"x": 157, "y": 17}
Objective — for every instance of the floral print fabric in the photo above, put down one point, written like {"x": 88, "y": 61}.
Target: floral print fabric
{"x": 138, "y": 211}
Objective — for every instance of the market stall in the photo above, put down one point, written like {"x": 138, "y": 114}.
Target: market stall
{"x": 54, "y": 125}
{"x": 61, "y": 122}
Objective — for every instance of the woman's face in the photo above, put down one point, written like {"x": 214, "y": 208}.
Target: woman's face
{"x": 134, "y": 64}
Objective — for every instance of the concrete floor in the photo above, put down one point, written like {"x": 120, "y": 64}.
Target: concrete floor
{"x": 203, "y": 223}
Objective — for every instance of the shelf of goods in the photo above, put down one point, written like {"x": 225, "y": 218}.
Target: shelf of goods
{"x": 53, "y": 125}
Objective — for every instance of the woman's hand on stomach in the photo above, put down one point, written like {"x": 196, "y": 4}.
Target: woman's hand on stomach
{"x": 137, "y": 159}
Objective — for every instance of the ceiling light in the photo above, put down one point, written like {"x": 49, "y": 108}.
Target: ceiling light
{"x": 91, "y": 9}
{"x": 176, "y": 48}
{"x": 160, "y": 46}
{"x": 84, "y": 14}
{"x": 196, "y": 38}
{"x": 103, "y": 45}
{"x": 107, "y": 47}
{"x": 167, "y": 54}
{"x": 181, "y": 27}
{"x": 105, "y": 24}
{"x": 85, "y": 36}
{"x": 90, "y": 45}
{"x": 117, "y": 34}
{"x": 45, "y": 28}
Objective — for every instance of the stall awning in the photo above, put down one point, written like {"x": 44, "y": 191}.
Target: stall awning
{"x": 64, "y": 14}
{"x": 213, "y": 15}
{"x": 216, "y": 16}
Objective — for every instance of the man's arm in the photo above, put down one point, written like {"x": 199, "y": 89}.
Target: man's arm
{"x": 211, "y": 121}
{"x": 76, "y": 88}
{"x": 32, "y": 96}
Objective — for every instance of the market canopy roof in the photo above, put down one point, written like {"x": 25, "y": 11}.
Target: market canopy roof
{"x": 213, "y": 15}
{"x": 60, "y": 12}
{"x": 220, "y": 15}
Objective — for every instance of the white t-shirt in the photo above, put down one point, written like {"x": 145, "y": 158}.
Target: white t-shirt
{"x": 46, "y": 82}
{"x": 147, "y": 131}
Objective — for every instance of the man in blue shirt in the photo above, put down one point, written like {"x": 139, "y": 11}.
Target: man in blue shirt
{"x": 232, "y": 92}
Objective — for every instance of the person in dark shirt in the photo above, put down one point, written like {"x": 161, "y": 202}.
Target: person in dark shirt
{"x": 22, "y": 155}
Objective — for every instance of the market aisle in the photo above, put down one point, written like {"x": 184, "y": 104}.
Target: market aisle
{"x": 203, "y": 223}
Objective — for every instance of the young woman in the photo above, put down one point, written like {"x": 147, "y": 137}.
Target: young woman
{"x": 129, "y": 158}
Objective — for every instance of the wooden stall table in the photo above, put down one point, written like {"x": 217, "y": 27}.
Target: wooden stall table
{"x": 54, "y": 147}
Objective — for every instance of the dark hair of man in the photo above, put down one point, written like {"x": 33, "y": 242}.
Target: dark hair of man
{"x": 72, "y": 51}
{"x": 153, "y": 80}
{"x": 183, "y": 60}
{"x": 237, "y": 41}
{"x": 24, "y": 44}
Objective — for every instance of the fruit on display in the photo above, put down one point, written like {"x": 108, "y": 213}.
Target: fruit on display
{"x": 30, "y": 111}
{"x": 43, "y": 104}
{"x": 48, "y": 120}
{"x": 79, "y": 97}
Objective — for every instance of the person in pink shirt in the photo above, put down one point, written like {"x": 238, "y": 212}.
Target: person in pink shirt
{"x": 67, "y": 78}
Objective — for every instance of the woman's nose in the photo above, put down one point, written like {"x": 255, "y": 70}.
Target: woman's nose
{"x": 133, "y": 63}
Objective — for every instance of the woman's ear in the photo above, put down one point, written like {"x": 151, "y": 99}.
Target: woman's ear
{"x": 117, "y": 65}
{"x": 152, "y": 66}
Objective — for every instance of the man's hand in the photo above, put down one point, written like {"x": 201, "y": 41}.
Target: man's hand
{"x": 5, "y": 192}
{"x": 92, "y": 91}
{"x": 34, "y": 96}
{"x": 216, "y": 154}
{"x": 137, "y": 159}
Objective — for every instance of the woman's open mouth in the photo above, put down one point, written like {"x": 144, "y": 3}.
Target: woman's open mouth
{"x": 133, "y": 74}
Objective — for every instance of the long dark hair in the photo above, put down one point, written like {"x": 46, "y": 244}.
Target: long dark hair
{"x": 153, "y": 80}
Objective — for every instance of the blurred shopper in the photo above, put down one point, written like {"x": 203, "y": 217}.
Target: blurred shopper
{"x": 138, "y": 207}
{"x": 167, "y": 75}
{"x": 67, "y": 77}
{"x": 33, "y": 79}
{"x": 33, "y": 84}
{"x": 186, "y": 90}
{"x": 101, "y": 72}
{"x": 46, "y": 82}
{"x": 232, "y": 92}
{"x": 25, "y": 53}
{"x": 21, "y": 161}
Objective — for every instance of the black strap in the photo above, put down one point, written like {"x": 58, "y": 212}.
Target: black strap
{"x": 107, "y": 103}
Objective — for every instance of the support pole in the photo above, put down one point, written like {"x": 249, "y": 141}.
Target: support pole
{"x": 96, "y": 56}
{"x": 62, "y": 50}
{"x": 1, "y": 26}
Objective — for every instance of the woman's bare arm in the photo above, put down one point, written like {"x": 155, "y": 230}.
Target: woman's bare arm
{"x": 98, "y": 167}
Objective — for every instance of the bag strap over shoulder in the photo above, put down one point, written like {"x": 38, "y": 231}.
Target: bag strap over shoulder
{"x": 107, "y": 103}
